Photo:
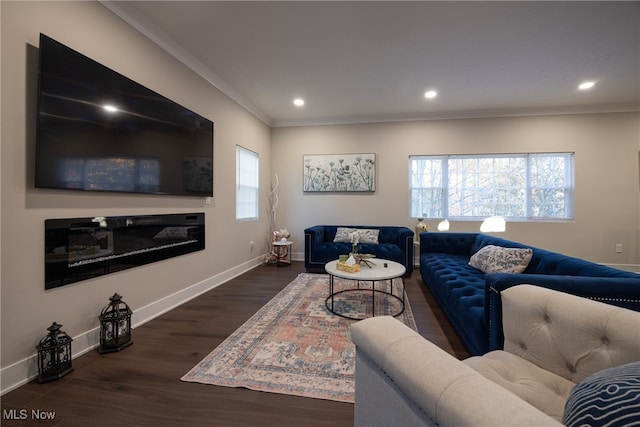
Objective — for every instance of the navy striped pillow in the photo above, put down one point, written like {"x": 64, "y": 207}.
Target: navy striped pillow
{"x": 610, "y": 397}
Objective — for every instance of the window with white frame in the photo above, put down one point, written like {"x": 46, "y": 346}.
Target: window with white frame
{"x": 247, "y": 188}
{"x": 514, "y": 186}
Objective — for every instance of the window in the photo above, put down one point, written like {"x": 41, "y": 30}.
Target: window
{"x": 515, "y": 186}
{"x": 247, "y": 189}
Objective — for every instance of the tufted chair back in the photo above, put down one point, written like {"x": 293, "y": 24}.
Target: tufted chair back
{"x": 570, "y": 336}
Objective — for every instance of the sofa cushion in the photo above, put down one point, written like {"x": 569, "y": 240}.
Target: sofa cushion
{"x": 549, "y": 329}
{"x": 610, "y": 397}
{"x": 496, "y": 259}
{"x": 367, "y": 235}
{"x": 541, "y": 388}
{"x": 462, "y": 299}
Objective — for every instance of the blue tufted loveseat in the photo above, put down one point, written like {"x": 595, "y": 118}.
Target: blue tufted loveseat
{"x": 395, "y": 243}
{"x": 471, "y": 298}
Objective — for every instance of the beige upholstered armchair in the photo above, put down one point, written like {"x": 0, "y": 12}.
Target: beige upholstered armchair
{"x": 553, "y": 341}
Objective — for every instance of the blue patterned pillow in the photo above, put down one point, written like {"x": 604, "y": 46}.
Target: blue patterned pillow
{"x": 496, "y": 259}
{"x": 610, "y": 397}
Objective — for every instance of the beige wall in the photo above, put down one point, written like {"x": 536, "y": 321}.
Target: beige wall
{"x": 606, "y": 174}
{"x": 27, "y": 310}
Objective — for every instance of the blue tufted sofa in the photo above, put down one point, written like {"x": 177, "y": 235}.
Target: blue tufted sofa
{"x": 394, "y": 243}
{"x": 471, "y": 298}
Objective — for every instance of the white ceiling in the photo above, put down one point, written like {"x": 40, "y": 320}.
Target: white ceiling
{"x": 366, "y": 61}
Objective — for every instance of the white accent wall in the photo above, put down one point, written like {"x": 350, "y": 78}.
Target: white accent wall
{"x": 606, "y": 176}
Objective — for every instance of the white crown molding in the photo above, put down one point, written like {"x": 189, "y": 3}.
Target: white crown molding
{"x": 157, "y": 36}
{"x": 456, "y": 115}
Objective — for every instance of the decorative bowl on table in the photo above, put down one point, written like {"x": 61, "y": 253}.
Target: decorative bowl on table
{"x": 363, "y": 259}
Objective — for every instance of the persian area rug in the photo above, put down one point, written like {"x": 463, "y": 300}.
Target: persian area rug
{"x": 294, "y": 344}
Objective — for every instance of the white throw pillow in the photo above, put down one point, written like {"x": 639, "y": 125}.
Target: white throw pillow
{"x": 496, "y": 259}
{"x": 343, "y": 234}
{"x": 369, "y": 235}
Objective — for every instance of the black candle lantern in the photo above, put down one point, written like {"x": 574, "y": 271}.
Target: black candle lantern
{"x": 54, "y": 354}
{"x": 115, "y": 325}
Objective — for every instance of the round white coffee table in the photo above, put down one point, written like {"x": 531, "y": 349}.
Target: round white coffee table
{"x": 380, "y": 271}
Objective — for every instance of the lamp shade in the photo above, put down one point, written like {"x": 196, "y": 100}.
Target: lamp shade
{"x": 493, "y": 224}
{"x": 443, "y": 225}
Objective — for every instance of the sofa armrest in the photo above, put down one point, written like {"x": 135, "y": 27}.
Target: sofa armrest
{"x": 403, "y": 379}
{"x": 448, "y": 243}
{"x": 314, "y": 236}
{"x": 405, "y": 243}
{"x": 620, "y": 292}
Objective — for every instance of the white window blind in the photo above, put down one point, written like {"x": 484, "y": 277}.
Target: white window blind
{"x": 247, "y": 188}
{"x": 516, "y": 186}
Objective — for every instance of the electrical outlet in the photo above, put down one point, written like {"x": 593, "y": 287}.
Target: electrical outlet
{"x": 207, "y": 200}
{"x": 251, "y": 244}
{"x": 619, "y": 248}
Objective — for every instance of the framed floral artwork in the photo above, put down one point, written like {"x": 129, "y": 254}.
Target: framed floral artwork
{"x": 339, "y": 172}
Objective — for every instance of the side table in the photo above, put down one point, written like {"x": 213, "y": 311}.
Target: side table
{"x": 282, "y": 252}
{"x": 380, "y": 271}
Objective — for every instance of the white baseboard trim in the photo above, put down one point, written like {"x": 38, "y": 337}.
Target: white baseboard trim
{"x": 23, "y": 371}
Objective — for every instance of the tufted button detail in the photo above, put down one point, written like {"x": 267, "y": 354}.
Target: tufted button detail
{"x": 605, "y": 341}
{"x": 523, "y": 345}
{"x": 571, "y": 368}
{"x": 547, "y": 319}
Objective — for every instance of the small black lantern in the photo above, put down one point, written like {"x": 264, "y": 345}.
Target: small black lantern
{"x": 115, "y": 325}
{"x": 54, "y": 354}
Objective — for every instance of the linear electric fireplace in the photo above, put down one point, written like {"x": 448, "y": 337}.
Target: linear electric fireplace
{"x": 82, "y": 248}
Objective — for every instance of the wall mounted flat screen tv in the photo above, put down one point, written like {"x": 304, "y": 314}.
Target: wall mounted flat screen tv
{"x": 97, "y": 130}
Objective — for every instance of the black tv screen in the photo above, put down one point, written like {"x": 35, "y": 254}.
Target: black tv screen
{"x": 97, "y": 130}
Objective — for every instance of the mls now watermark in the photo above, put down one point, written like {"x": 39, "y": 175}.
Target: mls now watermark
{"x": 25, "y": 414}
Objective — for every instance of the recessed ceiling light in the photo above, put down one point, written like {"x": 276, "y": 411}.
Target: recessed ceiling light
{"x": 110, "y": 108}
{"x": 586, "y": 85}
{"x": 430, "y": 94}
{"x": 298, "y": 102}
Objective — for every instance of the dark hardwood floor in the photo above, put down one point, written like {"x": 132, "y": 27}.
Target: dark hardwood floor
{"x": 140, "y": 386}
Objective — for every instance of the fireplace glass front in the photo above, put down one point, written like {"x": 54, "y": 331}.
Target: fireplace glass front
{"x": 82, "y": 248}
